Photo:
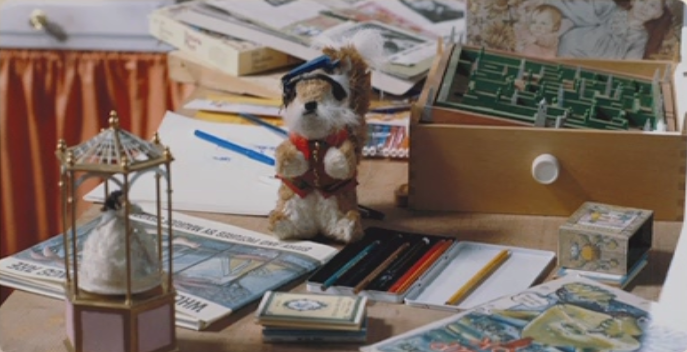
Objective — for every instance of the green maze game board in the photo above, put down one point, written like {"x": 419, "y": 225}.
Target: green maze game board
{"x": 549, "y": 94}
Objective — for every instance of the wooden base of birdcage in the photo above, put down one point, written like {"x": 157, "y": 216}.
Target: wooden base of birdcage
{"x": 99, "y": 323}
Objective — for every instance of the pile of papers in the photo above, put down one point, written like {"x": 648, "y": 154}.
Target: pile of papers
{"x": 207, "y": 177}
{"x": 233, "y": 36}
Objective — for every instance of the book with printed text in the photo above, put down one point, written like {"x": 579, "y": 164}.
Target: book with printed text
{"x": 217, "y": 268}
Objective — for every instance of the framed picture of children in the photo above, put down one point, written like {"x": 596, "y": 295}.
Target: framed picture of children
{"x": 600, "y": 29}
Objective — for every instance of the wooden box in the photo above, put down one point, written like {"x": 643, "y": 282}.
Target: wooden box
{"x": 473, "y": 161}
{"x": 605, "y": 238}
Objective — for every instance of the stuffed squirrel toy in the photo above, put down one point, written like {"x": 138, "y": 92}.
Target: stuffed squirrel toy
{"x": 324, "y": 105}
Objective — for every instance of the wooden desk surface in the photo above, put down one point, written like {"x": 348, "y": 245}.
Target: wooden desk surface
{"x": 33, "y": 323}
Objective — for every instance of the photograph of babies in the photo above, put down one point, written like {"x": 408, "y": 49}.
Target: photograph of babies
{"x": 538, "y": 35}
{"x": 603, "y": 29}
{"x": 435, "y": 11}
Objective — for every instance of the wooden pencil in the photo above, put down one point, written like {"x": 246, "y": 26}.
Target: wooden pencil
{"x": 479, "y": 277}
{"x": 385, "y": 264}
{"x": 420, "y": 267}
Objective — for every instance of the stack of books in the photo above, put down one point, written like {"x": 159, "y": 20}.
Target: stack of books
{"x": 303, "y": 317}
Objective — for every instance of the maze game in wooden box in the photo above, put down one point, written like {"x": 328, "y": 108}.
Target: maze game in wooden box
{"x": 549, "y": 94}
{"x": 485, "y": 118}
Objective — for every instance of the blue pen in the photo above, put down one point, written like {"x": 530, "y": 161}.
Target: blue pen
{"x": 234, "y": 147}
{"x": 260, "y": 122}
{"x": 337, "y": 275}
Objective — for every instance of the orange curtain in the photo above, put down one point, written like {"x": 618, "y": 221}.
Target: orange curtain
{"x": 48, "y": 95}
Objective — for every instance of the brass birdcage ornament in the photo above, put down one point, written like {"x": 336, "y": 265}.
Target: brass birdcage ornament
{"x": 115, "y": 307}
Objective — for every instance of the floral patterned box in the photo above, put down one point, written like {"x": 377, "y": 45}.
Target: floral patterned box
{"x": 605, "y": 238}
{"x": 583, "y": 29}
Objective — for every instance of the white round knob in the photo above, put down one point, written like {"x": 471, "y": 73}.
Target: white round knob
{"x": 545, "y": 169}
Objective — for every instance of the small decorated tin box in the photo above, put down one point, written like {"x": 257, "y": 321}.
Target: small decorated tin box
{"x": 605, "y": 238}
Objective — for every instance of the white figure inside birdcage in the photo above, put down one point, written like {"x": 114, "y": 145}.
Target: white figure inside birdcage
{"x": 103, "y": 264}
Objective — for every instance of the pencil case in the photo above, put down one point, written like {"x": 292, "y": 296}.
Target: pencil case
{"x": 523, "y": 268}
{"x": 447, "y": 272}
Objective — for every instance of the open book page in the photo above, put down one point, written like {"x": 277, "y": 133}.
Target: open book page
{"x": 569, "y": 314}
{"x": 217, "y": 268}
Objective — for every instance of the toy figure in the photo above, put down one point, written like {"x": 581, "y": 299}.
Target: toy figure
{"x": 324, "y": 105}
{"x": 103, "y": 265}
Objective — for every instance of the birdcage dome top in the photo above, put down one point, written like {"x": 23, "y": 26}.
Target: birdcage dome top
{"x": 113, "y": 149}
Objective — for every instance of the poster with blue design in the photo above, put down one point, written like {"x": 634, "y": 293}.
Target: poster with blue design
{"x": 565, "y": 315}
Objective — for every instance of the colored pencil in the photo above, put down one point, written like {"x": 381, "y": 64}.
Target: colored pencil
{"x": 394, "y": 151}
{"x": 479, "y": 277}
{"x": 346, "y": 267}
{"x": 403, "y": 151}
{"x": 392, "y": 141}
{"x": 366, "y": 281}
{"x": 415, "y": 271}
{"x": 420, "y": 267}
{"x": 391, "y": 275}
{"x": 360, "y": 271}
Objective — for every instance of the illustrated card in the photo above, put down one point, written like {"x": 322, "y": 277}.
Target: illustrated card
{"x": 311, "y": 307}
{"x": 600, "y": 29}
{"x": 608, "y": 218}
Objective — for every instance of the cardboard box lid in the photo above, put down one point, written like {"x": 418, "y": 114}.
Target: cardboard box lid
{"x": 607, "y": 219}
{"x": 597, "y": 29}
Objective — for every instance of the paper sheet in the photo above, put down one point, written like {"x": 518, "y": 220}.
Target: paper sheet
{"x": 208, "y": 178}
